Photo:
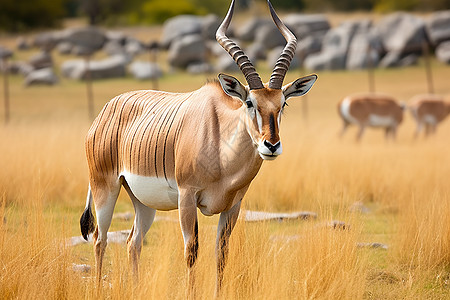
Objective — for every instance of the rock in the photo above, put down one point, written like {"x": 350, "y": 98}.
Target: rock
{"x": 22, "y": 43}
{"x": 359, "y": 207}
{"x": 47, "y": 41}
{"x": 20, "y": 67}
{"x": 443, "y": 52}
{"x": 275, "y": 53}
{"x": 269, "y": 36}
{"x": 134, "y": 47}
{"x": 335, "y": 224}
{"x": 254, "y": 216}
{"x": 41, "y": 60}
{"x": 64, "y": 48}
{"x": 5, "y": 53}
{"x": 199, "y": 68}
{"x": 396, "y": 59}
{"x": 89, "y": 39}
{"x": 309, "y": 45}
{"x": 361, "y": 53}
{"x": 41, "y": 76}
{"x": 115, "y": 36}
{"x": 438, "y": 27}
{"x": 403, "y": 33}
{"x": 187, "y": 50}
{"x": 330, "y": 60}
{"x": 226, "y": 64}
{"x": 145, "y": 70}
{"x": 178, "y": 27}
{"x": 304, "y": 25}
{"x": 113, "y": 47}
{"x": 111, "y": 67}
{"x": 256, "y": 52}
{"x": 249, "y": 30}
{"x": 209, "y": 25}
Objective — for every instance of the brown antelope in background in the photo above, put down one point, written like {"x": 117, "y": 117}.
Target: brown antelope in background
{"x": 371, "y": 110}
{"x": 428, "y": 111}
{"x": 187, "y": 150}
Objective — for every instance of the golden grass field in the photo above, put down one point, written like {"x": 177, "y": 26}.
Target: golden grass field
{"x": 405, "y": 184}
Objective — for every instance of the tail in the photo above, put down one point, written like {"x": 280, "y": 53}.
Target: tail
{"x": 87, "y": 223}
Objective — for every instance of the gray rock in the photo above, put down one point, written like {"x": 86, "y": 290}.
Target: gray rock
{"x": 373, "y": 246}
{"x": 111, "y": 67}
{"x": 41, "y": 60}
{"x": 255, "y": 52}
{"x": 47, "y": 41}
{"x": 438, "y": 27}
{"x": 115, "y": 36}
{"x": 5, "y": 53}
{"x": 397, "y": 59}
{"x": 113, "y": 47}
{"x": 133, "y": 47}
{"x": 64, "y": 48}
{"x": 359, "y": 207}
{"x": 269, "y": 36}
{"x": 180, "y": 26}
{"x": 309, "y": 45}
{"x": 22, "y": 43}
{"x": 403, "y": 33}
{"x": 361, "y": 54}
{"x": 200, "y": 68}
{"x": 335, "y": 224}
{"x": 249, "y": 30}
{"x": 87, "y": 39}
{"x": 187, "y": 50}
{"x": 329, "y": 60}
{"x": 443, "y": 52}
{"x": 81, "y": 268}
{"x": 274, "y": 54}
{"x": 226, "y": 64}
{"x": 145, "y": 70}
{"x": 20, "y": 67}
{"x": 304, "y": 25}
{"x": 209, "y": 25}
{"x": 41, "y": 76}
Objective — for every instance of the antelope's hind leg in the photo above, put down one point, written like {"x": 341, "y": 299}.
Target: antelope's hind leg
{"x": 143, "y": 220}
{"x": 104, "y": 201}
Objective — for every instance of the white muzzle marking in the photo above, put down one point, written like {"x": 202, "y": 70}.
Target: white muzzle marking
{"x": 267, "y": 151}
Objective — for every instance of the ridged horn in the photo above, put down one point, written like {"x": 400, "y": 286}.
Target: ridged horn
{"x": 282, "y": 65}
{"x": 242, "y": 60}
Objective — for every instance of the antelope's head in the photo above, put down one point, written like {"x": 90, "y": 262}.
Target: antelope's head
{"x": 264, "y": 102}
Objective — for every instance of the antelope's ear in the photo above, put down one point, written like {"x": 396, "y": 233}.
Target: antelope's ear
{"x": 299, "y": 87}
{"x": 232, "y": 87}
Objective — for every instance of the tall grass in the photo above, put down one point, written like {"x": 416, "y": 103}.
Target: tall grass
{"x": 43, "y": 182}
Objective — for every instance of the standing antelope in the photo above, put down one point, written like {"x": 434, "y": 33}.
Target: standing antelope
{"x": 187, "y": 150}
{"x": 428, "y": 111}
{"x": 374, "y": 110}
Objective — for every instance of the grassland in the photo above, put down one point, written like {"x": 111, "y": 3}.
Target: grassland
{"x": 43, "y": 183}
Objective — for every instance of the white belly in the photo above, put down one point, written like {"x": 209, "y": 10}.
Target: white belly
{"x": 430, "y": 119}
{"x": 153, "y": 192}
{"x": 381, "y": 121}
{"x": 345, "y": 111}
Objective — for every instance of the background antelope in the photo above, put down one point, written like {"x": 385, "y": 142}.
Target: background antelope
{"x": 371, "y": 110}
{"x": 428, "y": 111}
{"x": 187, "y": 150}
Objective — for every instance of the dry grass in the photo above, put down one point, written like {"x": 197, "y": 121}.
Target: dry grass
{"x": 405, "y": 184}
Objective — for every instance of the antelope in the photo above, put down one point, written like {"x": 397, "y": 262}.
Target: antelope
{"x": 428, "y": 111}
{"x": 371, "y": 110}
{"x": 185, "y": 151}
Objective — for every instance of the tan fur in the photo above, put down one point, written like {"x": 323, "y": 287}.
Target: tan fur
{"x": 428, "y": 110}
{"x": 364, "y": 110}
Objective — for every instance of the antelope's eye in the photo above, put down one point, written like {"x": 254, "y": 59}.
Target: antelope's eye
{"x": 249, "y": 103}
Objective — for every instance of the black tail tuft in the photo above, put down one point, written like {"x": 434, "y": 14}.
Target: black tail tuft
{"x": 87, "y": 224}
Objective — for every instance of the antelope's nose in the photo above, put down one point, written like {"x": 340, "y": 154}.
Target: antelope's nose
{"x": 271, "y": 146}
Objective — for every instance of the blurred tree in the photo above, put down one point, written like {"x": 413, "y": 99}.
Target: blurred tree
{"x": 16, "y": 15}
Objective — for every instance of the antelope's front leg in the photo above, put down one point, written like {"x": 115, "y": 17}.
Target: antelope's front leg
{"x": 226, "y": 224}
{"x": 187, "y": 207}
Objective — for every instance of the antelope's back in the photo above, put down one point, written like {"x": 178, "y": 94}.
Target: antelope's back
{"x": 136, "y": 132}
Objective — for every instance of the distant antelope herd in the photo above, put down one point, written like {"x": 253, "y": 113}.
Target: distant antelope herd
{"x": 383, "y": 111}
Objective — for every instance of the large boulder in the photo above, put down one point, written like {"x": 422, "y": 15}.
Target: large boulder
{"x": 269, "y": 36}
{"x": 43, "y": 76}
{"x": 85, "y": 40}
{"x": 41, "y": 60}
{"x": 248, "y": 31}
{"x": 274, "y": 54}
{"x": 334, "y": 48}
{"x": 187, "y": 50}
{"x": 180, "y": 26}
{"x": 443, "y": 52}
{"x": 47, "y": 41}
{"x": 5, "y": 53}
{"x": 398, "y": 59}
{"x": 402, "y": 32}
{"x": 226, "y": 64}
{"x": 303, "y": 25}
{"x": 145, "y": 70}
{"x": 438, "y": 27}
{"x": 111, "y": 67}
{"x": 209, "y": 24}
{"x": 20, "y": 67}
{"x": 361, "y": 53}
